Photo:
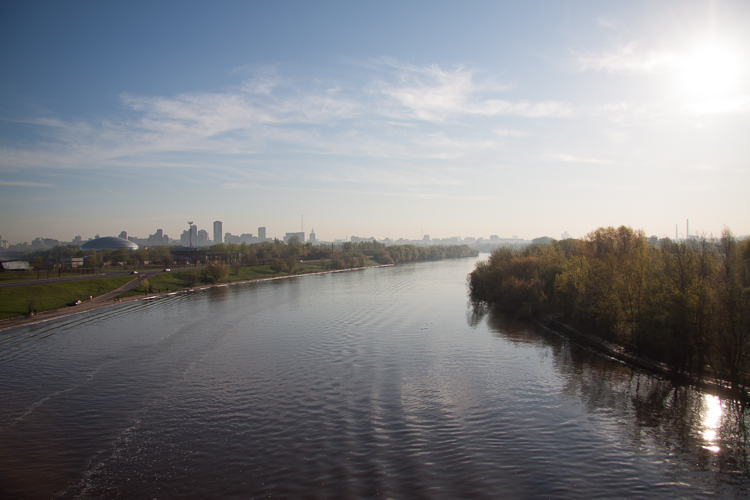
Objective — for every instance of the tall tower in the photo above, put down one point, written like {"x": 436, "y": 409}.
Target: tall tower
{"x": 192, "y": 233}
{"x": 217, "y": 232}
{"x": 262, "y": 234}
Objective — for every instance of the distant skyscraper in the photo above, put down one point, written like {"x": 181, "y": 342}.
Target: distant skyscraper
{"x": 262, "y": 233}
{"x": 312, "y": 237}
{"x": 203, "y": 238}
{"x": 300, "y": 237}
{"x": 158, "y": 238}
{"x": 189, "y": 237}
{"x": 124, "y": 235}
{"x": 217, "y": 231}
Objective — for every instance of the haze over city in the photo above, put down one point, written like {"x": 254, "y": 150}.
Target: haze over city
{"x": 384, "y": 119}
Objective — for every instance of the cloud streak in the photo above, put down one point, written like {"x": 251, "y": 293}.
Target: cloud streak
{"x": 25, "y": 184}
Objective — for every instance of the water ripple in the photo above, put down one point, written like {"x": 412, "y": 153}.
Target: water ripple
{"x": 353, "y": 385}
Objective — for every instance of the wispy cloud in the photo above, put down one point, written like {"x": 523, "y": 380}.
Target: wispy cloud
{"x": 543, "y": 109}
{"x": 568, "y": 158}
{"x": 629, "y": 58}
{"x": 270, "y": 115}
{"x": 25, "y": 184}
{"x": 348, "y": 190}
{"x": 436, "y": 95}
{"x": 507, "y": 132}
{"x": 405, "y": 176}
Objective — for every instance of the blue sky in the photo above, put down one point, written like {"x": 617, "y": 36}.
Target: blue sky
{"x": 380, "y": 119}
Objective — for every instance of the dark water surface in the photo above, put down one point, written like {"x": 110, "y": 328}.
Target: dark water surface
{"x": 375, "y": 383}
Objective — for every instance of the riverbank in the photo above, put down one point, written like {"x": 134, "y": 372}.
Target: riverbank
{"x": 620, "y": 354}
{"x": 112, "y": 298}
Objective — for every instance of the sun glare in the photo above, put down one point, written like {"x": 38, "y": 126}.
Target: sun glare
{"x": 712, "y": 412}
{"x": 710, "y": 71}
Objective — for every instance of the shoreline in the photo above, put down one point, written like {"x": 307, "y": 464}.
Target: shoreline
{"x": 618, "y": 354}
{"x": 107, "y": 299}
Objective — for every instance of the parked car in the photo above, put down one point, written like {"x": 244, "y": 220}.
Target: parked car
{"x": 134, "y": 272}
{"x": 167, "y": 270}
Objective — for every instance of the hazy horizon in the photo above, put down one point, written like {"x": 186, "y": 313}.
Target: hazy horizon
{"x": 374, "y": 119}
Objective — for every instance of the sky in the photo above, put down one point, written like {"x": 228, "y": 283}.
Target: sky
{"x": 374, "y": 118}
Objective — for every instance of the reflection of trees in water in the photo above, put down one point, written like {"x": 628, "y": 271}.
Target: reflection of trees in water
{"x": 475, "y": 313}
{"x": 735, "y": 437}
{"x": 652, "y": 410}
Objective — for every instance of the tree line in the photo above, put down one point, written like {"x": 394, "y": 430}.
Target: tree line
{"x": 281, "y": 256}
{"x": 345, "y": 255}
{"x": 683, "y": 303}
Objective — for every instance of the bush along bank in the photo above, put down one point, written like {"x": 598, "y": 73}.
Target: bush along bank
{"x": 685, "y": 304}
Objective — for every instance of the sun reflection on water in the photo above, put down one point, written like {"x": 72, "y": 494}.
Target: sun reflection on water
{"x": 712, "y": 412}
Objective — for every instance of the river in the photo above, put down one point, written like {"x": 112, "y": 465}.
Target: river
{"x": 376, "y": 383}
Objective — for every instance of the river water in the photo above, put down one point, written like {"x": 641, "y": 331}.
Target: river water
{"x": 376, "y": 383}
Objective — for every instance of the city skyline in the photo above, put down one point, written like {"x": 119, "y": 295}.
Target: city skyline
{"x": 200, "y": 237}
{"x": 386, "y": 119}
{"x": 193, "y": 234}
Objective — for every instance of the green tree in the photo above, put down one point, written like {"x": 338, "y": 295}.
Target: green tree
{"x": 37, "y": 265}
{"x": 733, "y": 334}
{"x": 141, "y": 255}
{"x": 291, "y": 263}
{"x": 191, "y": 278}
{"x": 216, "y": 271}
{"x": 278, "y": 265}
{"x": 119, "y": 255}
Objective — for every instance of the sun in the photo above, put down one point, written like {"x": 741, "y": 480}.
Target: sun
{"x": 710, "y": 71}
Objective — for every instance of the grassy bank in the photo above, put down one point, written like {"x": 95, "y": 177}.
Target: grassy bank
{"x": 17, "y": 301}
{"x": 177, "y": 280}
{"x": 15, "y": 276}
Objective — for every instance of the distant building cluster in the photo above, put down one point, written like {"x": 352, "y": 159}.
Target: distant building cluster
{"x": 196, "y": 238}
{"x": 245, "y": 237}
{"x": 158, "y": 238}
{"x": 193, "y": 237}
